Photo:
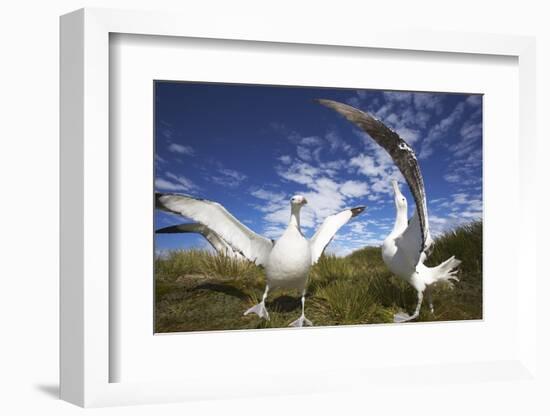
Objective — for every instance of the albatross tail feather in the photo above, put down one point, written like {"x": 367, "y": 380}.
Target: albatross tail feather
{"x": 445, "y": 272}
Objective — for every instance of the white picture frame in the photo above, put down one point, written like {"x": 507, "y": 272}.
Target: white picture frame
{"x": 85, "y": 211}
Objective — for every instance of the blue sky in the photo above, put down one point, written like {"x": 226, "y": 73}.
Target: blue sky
{"x": 252, "y": 147}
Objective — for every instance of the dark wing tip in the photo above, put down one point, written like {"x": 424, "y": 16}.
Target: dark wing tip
{"x": 356, "y": 211}
{"x": 158, "y": 203}
{"x": 169, "y": 230}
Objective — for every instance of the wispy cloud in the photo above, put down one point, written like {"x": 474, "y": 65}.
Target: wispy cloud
{"x": 175, "y": 183}
{"x": 228, "y": 177}
{"x": 440, "y": 130}
{"x": 268, "y": 195}
{"x": 286, "y": 159}
{"x": 339, "y": 166}
{"x": 181, "y": 149}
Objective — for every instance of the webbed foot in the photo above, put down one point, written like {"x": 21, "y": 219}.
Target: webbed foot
{"x": 403, "y": 317}
{"x": 300, "y": 322}
{"x": 259, "y": 310}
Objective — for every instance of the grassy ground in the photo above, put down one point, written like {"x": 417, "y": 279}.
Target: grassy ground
{"x": 196, "y": 290}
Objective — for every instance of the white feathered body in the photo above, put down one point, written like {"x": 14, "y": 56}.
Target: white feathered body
{"x": 289, "y": 261}
{"x": 419, "y": 275}
{"x": 396, "y": 260}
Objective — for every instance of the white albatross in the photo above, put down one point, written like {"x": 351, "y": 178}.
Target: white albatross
{"x": 408, "y": 245}
{"x": 287, "y": 261}
{"x": 399, "y": 252}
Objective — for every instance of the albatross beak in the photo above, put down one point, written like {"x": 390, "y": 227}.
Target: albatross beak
{"x": 395, "y": 187}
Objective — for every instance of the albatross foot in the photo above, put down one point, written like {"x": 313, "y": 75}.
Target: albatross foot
{"x": 301, "y": 321}
{"x": 403, "y": 317}
{"x": 259, "y": 310}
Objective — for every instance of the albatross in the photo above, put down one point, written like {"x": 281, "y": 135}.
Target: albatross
{"x": 407, "y": 247}
{"x": 287, "y": 261}
{"x": 399, "y": 253}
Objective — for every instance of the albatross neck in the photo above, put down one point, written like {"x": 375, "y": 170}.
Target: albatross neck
{"x": 295, "y": 217}
{"x": 400, "y": 220}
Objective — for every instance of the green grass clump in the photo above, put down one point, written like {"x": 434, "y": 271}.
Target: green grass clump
{"x": 179, "y": 263}
{"x": 197, "y": 290}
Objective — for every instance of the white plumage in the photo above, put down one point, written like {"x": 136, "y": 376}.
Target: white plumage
{"x": 400, "y": 252}
{"x": 287, "y": 261}
{"x": 406, "y": 248}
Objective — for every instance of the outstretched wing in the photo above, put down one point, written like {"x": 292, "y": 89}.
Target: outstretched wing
{"x": 402, "y": 154}
{"x": 328, "y": 230}
{"x": 219, "y": 244}
{"x": 252, "y": 246}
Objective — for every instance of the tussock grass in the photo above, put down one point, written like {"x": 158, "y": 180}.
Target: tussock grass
{"x": 198, "y": 290}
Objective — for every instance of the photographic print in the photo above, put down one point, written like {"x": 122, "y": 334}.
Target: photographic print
{"x": 291, "y": 206}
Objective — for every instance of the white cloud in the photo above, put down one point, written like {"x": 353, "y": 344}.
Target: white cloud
{"x": 325, "y": 195}
{"x": 286, "y": 159}
{"x": 428, "y": 102}
{"x": 452, "y": 177}
{"x": 268, "y": 195}
{"x": 367, "y": 165}
{"x": 409, "y": 135}
{"x": 474, "y": 100}
{"x": 177, "y": 183}
{"x": 470, "y": 135}
{"x": 303, "y": 153}
{"x": 273, "y": 231}
{"x": 187, "y": 183}
{"x": 459, "y": 208}
{"x": 439, "y": 130}
{"x": 354, "y": 189}
{"x": 310, "y": 141}
{"x": 400, "y": 97}
{"x": 299, "y": 172}
{"x": 228, "y": 177}
{"x": 336, "y": 142}
{"x": 179, "y": 148}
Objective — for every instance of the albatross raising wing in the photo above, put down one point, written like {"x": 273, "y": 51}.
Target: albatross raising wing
{"x": 252, "y": 246}
{"x": 402, "y": 154}
{"x": 328, "y": 229}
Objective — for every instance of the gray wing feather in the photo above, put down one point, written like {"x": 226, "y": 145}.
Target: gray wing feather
{"x": 401, "y": 153}
{"x": 219, "y": 244}
{"x": 252, "y": 246}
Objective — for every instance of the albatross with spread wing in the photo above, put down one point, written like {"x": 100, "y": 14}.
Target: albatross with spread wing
{"x": 406, "y": 248}
{"x": 287, "y": 261}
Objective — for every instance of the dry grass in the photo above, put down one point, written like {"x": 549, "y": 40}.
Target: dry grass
{"x": 197, "y": 290}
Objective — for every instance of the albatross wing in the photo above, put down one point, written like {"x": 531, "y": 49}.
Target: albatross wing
{"x": 252, "y": 246}
{"x": 219, "y": 244}
{"x": 402, "y": 154}
{"x": 328, "y": 230}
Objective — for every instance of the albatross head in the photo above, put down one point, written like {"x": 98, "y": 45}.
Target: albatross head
{"x": 298, "y": 201}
